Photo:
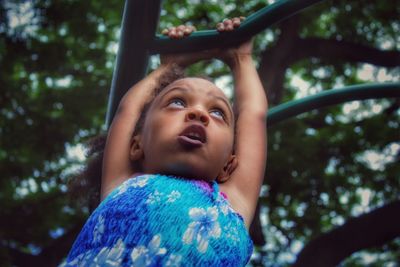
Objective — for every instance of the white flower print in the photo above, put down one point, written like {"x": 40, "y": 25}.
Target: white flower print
{"x": 122, "y": 189}
{"x": 110, "y": 256}
{"x": 140, "y": 181}
{"x": 81, "y": 260}
{"x": 106, "y": 257}
{"x": 224, "y": 208}
{"x": 98, "y": 229}
{"x": 174, "y": 261}
{"x": 231, "y": 232}
{"x": 174, "y": 195}
{"x": 203, "y": 227}
{"x": 154, "y": 197}
{"x": 144, "y": 256}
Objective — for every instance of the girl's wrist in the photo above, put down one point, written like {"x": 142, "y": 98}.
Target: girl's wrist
{"x": 238, "y": 59}
{"x": 170, "y": 67}
{"x": 167, "y": 65}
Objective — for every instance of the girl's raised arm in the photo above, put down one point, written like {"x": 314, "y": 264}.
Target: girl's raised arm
{"x": 117, "y": 166}
{"x": 250, "y": 106}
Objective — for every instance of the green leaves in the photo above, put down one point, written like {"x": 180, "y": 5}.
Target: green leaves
{"x": 55, "y": 77}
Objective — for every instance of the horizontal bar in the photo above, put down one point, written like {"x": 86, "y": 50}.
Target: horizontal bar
{"x": 251, "y": 26}
{"x": 332, "y": 97}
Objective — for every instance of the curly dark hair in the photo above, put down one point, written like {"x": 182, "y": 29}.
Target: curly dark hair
{"x": 85, "y": 185}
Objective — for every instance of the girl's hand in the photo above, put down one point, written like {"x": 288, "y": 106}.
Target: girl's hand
{"x": 230, "y": 24}
{"x": 184, "y": 59}
{"x": 179, "y": 32}
{"x": 232, "y": 55}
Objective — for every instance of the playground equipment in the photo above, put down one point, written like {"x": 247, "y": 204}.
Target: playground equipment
{"x": 139, "y": 40}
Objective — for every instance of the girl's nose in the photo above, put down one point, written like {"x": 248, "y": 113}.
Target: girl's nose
{"x": 198, "y": 115}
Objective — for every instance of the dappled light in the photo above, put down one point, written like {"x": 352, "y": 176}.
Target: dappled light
{"x": 325, "y": 168}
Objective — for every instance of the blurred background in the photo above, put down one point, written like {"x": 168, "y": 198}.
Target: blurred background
{"x": 331, "y": 174}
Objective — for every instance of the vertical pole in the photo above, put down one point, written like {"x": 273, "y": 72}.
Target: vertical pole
{"x": 139, "y": 24}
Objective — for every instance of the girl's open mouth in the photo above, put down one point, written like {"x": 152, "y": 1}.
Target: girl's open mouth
{"x": 189, "y": 142}
{"x": 193, "y": 136}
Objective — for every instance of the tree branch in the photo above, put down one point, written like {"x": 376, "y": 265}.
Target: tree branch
{"x": 290, "y": 48}
{"x": 275, "y": 60}
{"x": 256, "y": 231}
{"x": 368, "y": 230}
{"x": 332, "y": 50}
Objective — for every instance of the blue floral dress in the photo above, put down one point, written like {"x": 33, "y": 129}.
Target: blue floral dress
{"x": 157, "y": 220}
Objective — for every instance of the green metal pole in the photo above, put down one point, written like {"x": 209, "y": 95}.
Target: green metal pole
{"x": 332, "y": 97}
{"x": 254, "y": 24}
{"x": 139, "y": 24}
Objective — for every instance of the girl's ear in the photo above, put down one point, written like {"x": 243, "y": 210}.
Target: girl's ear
{"x": 136, "y": 151}
{"x": 228, "y": 169}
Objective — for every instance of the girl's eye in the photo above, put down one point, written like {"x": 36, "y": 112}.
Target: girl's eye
{"x": 218, "y": 113}
{"x": 179, "y": 103}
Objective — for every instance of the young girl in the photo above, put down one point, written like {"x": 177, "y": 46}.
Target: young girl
{"x": 182, "y": 170}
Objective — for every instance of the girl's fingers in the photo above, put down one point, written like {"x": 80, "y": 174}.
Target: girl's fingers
{"x": 181, "y": 27}
{"x": 178, "y": 32}
{"x": 220, "y": 27}
{"x": 165, "y": 32}
{"x": 183, "y": 30}
{"x": 229, "y": 24}
{"x": 188, "y": 30}
{"x": 172, "y": 33}
{"x": 236, "y": 22}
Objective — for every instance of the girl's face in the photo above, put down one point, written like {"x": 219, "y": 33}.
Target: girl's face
{"x": 188, "y": 131}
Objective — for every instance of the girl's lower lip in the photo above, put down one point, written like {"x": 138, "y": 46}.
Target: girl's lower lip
{"x": 189, "y": 142}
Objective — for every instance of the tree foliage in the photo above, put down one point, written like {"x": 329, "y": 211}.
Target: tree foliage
{"x": 323, "y": 168}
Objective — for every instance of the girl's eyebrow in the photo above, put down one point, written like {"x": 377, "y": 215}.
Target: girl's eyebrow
{"x": 173, "y": 89}
{"x": 226, "y": 103}
{"x": 161, "y": 96}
